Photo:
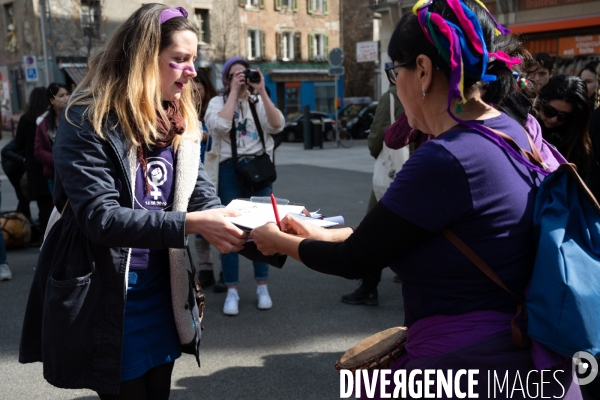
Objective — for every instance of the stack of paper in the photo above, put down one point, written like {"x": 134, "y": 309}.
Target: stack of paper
{"x": 258, "y": 214}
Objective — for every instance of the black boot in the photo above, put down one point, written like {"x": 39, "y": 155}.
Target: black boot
{"x": 220, "y": 286}
{"x": 207, "y": 278}
{"x": 362, "y": 295}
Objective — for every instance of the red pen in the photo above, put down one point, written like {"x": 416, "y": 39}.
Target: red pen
{"x": 274, "y": 203}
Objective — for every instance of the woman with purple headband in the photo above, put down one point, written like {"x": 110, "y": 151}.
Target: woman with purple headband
{"x": 449, "y": 70}
{"x": 110, "y": 307}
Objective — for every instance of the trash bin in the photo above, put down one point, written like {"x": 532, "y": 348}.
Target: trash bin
{"x": 317, "y": 133}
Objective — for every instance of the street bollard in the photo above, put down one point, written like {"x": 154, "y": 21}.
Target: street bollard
{"x": 307, "y": 130}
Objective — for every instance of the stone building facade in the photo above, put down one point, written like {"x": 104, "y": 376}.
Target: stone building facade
{"x": 288, "y": 39}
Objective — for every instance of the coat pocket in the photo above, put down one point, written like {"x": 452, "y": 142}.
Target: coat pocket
{"x": 66, "y": 336}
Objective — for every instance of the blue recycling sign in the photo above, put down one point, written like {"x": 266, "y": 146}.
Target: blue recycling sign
{"x": 31, "y": 69}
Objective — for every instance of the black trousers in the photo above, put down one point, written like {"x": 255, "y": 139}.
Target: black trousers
{"x": 153, "y": 385}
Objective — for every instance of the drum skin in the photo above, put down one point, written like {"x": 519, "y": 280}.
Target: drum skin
{"x": 16, "y": 229}
{"x": 378, "y": 351}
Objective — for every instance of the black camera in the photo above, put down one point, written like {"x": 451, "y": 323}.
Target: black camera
{"x": 251, "y": 75}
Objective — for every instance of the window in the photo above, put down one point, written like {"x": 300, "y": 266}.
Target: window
{"x": 318, "y": 7}
{"x": 286, "y": 5}
{"x": 255, "y": 44}
{"x": 318, "y": 46}
{"x": 324, "y": 96}
{"x": 286, "y": 46}
{"x": 200, "y": 21}
{"x": 250, "y": 4}
{"x": 90, "y": 18}
{"x": 11, "y": 29}
{"x": 292, "y": 98}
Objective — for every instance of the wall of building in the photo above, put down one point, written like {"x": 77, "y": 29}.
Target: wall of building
{"x": 271, "y": 21}
{"x": 357, "y": 23}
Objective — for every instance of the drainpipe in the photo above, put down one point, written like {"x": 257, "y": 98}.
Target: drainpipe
{"x": 42, "y": 18}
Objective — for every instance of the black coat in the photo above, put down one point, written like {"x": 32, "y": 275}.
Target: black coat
{"x": 13, "y": 160}
{"x": 74, "y": 317}
{"x": 25, "y": 138}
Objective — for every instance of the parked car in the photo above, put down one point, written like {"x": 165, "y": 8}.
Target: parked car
{"x": 349, "y": 112}
{"x": 359, "y": 126}
{"x": 293, "y": 130}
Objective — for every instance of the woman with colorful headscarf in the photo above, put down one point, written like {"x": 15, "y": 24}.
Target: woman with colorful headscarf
{"x": 449, "y": 70}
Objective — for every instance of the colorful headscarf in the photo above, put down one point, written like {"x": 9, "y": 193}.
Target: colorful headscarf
{"x": 455, "y": 42}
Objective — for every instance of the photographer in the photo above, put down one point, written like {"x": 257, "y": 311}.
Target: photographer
{"x": 245, "y": 114}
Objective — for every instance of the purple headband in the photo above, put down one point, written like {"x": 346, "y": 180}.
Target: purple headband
{"x": 169, "y": 13}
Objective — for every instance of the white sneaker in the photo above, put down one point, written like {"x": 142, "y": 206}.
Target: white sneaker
{"x": 5, "y": 274}
{"x": 264, "y": 300}
{"x": 231, "y": 302}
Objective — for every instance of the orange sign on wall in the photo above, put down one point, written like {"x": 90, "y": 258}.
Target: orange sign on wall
{"x": 578, "y": 45}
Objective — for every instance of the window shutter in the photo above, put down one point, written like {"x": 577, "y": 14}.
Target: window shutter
{"x": 263, "y": 56}
{"x": 295, "y": 5}
{"x": 311, "y": 47}
{"x": 279, "y": 42}
{"x": 325, "y": 7}
{"x": 309, "y": 6}
{"x": 326, "y": 47}
{"x": 277, "y": 5}
{"x": 243, "y": 3}
{"x": 297, "y": 46}
{"x": 261, "y": 3}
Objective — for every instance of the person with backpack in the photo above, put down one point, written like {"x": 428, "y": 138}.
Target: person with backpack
{"x": 449, "y": 67}
{"x": 241, "y": 123}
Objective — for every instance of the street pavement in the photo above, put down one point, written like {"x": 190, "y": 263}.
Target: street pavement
{"x": 287, "y": 352}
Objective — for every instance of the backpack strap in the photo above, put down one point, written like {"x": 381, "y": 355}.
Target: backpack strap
{"x": 519, "y": 338}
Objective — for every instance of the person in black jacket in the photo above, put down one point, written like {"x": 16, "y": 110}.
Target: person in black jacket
{"x": 111, "y": 306}
{"x": 13, "y": 164}
{"x": 25, "y": 141}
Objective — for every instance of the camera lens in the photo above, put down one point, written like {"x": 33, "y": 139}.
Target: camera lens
{"x": 252, "y": 75}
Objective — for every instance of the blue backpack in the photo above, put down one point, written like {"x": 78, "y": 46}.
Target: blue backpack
{"x": 562, "y": 305}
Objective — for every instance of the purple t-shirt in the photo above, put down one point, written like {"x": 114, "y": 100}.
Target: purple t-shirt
{"x": 463, "y": 181}
{"x": 150, "y": 336}
{"x": 159, "y": 175}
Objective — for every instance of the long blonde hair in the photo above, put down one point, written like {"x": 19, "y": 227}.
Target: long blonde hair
{"x": 124, "y": 78}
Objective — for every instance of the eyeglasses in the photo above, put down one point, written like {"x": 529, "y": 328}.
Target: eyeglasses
{"x": 391, "y": 73}
{"x": 551, "y": 112}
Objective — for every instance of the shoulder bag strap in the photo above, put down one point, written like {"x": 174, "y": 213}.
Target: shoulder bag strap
{"x": 392, "y": 106}
{"x": 519, "y": 338}
{"x": 257, "y": 123}
{"x": 233, "y": 139}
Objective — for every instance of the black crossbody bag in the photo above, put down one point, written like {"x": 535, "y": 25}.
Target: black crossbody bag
{"x": 260, "y": 172}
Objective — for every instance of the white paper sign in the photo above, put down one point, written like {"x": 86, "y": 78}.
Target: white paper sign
{"x": 367, "y": 51}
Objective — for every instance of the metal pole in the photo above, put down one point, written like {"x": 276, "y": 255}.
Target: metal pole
{"x": 42, "y": 18}
{"x": 52, "y": 41}
{"x": 337, "y": 122}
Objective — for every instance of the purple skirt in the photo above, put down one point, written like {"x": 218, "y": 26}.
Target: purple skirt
{"x": 482, "y": 341}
